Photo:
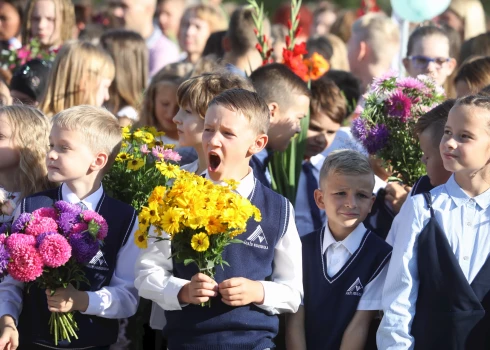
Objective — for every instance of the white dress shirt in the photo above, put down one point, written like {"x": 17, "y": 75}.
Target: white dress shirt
{"x": 338, "y": 253}
{"x": 117, "y": 300}
{"x": 155, "y": 281}
{"x": 465, "y": 222}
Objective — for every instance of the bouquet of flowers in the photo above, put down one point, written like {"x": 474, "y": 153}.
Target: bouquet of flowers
{"x": 49, "y": 248}
{"x": 392, "y": 107}
{"x": 7, "y": 205}
{"x": 143, "y": 163}
{"x": 200, "y": 217}
{"x": 13, "y": 58}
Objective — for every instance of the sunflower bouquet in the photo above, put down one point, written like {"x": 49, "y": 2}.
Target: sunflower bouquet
{"x": 385, "y": 127}
{"x": 143, "y": 163}
{"x": 200, "y": 218}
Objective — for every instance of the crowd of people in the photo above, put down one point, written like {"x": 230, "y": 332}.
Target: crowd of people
{"x": 358, "y": 261}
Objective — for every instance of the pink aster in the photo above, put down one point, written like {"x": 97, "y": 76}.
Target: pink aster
{"x": 170, "y": 154}
{"x": 55, "y": 250}
{"x": 144, "y": 149}
{"x": 411, "y": 83}
{"x": 379, "y": 83}
{"x": 79, "y": 227}
{"x": 90, "y": 216}
{"x": 3, "y": 236}
{"x": 18, "y": 241}
{"x": 45, "y": 212}
{"x": 25, "y": 264}
{"x": 40, "y": 225}
{"x": 398, "y": 105}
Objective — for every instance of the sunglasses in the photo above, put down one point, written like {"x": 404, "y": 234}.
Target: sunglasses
{"x": 424, "y": 61}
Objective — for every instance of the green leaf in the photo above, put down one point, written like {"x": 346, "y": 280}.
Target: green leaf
{"x": 235, "y": 240}
{"x": 188, "y": 261}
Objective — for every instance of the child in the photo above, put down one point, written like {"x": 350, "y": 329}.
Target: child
{"x": 29, "y": 82}
{"x": 344, "y": 264}
{"x": 245, "y": 300}
{"x": 52, "y": 22}
{"x": 472, "y": 76}
{"x": 428, "y": 52}
{"x": 23, "y": 146}
{"x": 79, "y": 159}
{"x": 169, "y": 14}
{"x": 327, "y": 113}
{"x": 130, "y": 54}
{"x": 193, "y": 97}
{"x": 197, "y": 23}
{"x": 288, "y": 98}
{"x": 437, "y": 279}
{"x": 82, "y": 74}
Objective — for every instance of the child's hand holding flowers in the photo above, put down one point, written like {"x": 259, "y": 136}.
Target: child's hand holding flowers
{"x": 67, "y": 299}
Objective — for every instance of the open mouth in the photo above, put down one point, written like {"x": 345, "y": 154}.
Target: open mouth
{"x": 214, "y": 161}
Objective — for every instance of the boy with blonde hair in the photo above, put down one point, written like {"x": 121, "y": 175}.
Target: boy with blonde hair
{"x": 374, "y": 42}
{"x": 84, "y": 142}
{"x": 344, "y": 265}
{"x": 246, "y": 298}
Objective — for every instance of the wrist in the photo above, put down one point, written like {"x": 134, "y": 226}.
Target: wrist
{"x": 183, "y": 294}
{"x": 80, "y": 301}
{"x": 259, "y": 293}
{"x": 7, "y": 320}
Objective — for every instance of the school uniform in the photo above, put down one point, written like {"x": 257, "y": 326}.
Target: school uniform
{"x": 339, "y": 278}
{"x": 436, "y": 289}
{"x": 111, "y": 292}
{"x": 259, "y": 163}
{"x": 270, "y": 253}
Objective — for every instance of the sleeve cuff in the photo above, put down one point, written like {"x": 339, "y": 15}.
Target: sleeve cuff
{"x": 10, "y": 309}
{"x": 95, "y": 304}
{"x": 171, "y": 293}
{"x": 268, "y": 291}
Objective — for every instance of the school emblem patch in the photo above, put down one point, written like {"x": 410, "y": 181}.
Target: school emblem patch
{"x": 257, "y": 239}
{"x": 356, "y": 288}
{"x": 98, "y": 262}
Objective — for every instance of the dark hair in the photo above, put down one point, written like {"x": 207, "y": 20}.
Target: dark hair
{"x": 320, "y": 45}
{"x": 275, "y": 83}
{"x": 327, "y": 98}
{"x": 434, "y": 121}
{"x": 475, "y": 72}
{"x": 481, "y": 101}
{"x": 20, "y": 6}
{"x": 31, "y": 78}
{"x": 214, "y": 45}
{"x": 241, "y": 31}
{"x": 349, "y": 85}
{"x": 485, "y": 91}
{"x": 422, "y": 32}
{"x": 477, "y": 46}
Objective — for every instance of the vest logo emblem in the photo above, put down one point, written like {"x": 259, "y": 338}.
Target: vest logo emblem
{"x": 356, "y": 288}
{"x": 98, "y": 262}
{"x": 257, "y": 239}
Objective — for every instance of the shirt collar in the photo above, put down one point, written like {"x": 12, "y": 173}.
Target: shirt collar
{"x": 91, "y": 201}
{"x": 245, "y": 185}
{"x": 317, "y": 161}
{"x": 351, "y": 242}
{"x": 460, "y": 197}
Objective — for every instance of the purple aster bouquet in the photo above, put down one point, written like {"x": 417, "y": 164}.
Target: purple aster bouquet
{"x": 385, "y": 126}
{"x": 50, "y": 247}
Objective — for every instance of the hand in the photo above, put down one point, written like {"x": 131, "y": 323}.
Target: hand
{"x": 241, "y": 291}
{"x": 67, "y": 299}
{"x": 396, "y": 194}
{"x": 198, "y": 290}
{"x": 9, "y": 336}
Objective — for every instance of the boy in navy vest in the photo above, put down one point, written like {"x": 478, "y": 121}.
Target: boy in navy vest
{"x": 344, "y": 265}
{"x": 265, "y": 273}
{"x": 84, "y": 142}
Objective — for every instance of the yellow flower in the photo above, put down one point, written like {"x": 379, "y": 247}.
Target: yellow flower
{"x": 168, "y": 170}
{"x": 126, "y": 133}
{"x": 136, "y": 164}
{"x": 200, "y": 242}
{"x": 233, "y": 184}
{"x": 150, "y": 213}
{"x": 158, "y": 194}
{"x": 141, "y": 239}
{"x": 144, "y": 136}
{"x": 169, "y": 146}
{"x": 171, "y": 221}
{"x": 214, "y": 226}
{"x": 123, "y": 156}
{"x": 152, "y": 130}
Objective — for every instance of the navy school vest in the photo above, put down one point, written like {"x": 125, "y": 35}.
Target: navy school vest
{"x": 93, "y": 330}
{"x": 226, "y": 327}
{"x": 450, "y": 313}
{"x": 330, "y": 302}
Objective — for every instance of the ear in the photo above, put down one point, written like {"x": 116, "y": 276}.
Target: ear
{"x": 259, "y": 144}
{"x": 406, "y": 61}
{"x": 274, "y": 109}
{"x": 319, "y": 200}
{"x": 99, "y": 161}
{"x": 373, "y": 199}
{"x": 363, "y": 49}
{"x": 226, "y": 44}
{"x": 451, "y": 65}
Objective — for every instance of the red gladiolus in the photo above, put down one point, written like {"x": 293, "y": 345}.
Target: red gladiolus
{"x": 298, "y": 31}
{"x": 295, "y": 63}
{"x": 256, "y": 31}
{"x": 259, "y": 47}
{"x": 289, "y": 24}
{"x": 288, "y": 41}
{"x": 300, "y": 49}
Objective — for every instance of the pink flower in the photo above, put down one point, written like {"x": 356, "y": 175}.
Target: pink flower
{"x": 45, "y": 212}
{"x": 79, "y": 227}
{"x": 144, "y": 149}
{"x": 25, "y": 264}
{"x": 398, "y": 105}
{"x": 40, "y": 225}
{"x": 23, "y": 53}
{"x": 411, "y": 83}
{"x": 18, "y": 241}
{"x": 97, "y": 225}
{"x": 55, "y": 250}
{"x": 8, "y": 207}
{"x": 3, "y": 236}
{"x": 165, "y": 154}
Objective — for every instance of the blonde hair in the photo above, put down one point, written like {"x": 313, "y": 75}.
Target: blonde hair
{"x": 346, "y": 162}
{"x": 99, "y": 127}
{"x": 75, "y": 76}
{"x": 339, "y": 58}
{"x": 472, "y": 14}
{"x": 197, "y": 92}
{"x": 67, "y": 11}
{"x": 247, "y": 103}
{"x": 380, "y": 32}
{"x": 30, "y": 136}
{"x": 213, "y": 15}
{"x": 130, "y": 54}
